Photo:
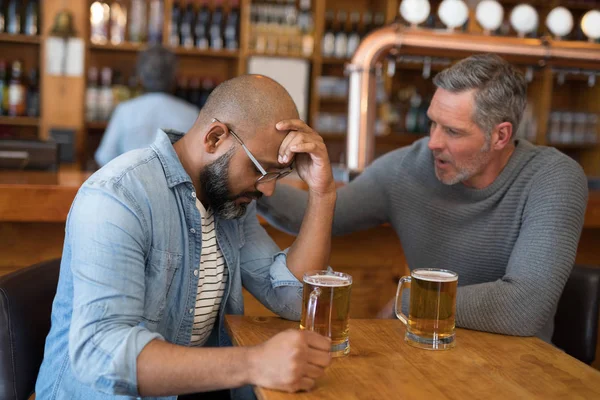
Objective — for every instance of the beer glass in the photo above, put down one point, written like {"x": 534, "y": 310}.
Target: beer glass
{"x": 430, "y": 323}
{"x": 325, "y": 307}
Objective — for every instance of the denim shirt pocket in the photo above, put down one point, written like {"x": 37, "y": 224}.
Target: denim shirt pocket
{"x": 160, "y": 271}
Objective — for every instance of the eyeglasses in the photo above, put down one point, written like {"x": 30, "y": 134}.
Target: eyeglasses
{"x": 265, "y": 176}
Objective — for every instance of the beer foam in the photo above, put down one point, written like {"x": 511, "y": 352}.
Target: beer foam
{"x": 327, "y": 280}
{"x": 435, "y": 276}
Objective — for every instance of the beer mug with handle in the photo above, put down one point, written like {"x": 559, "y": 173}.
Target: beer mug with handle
{"x": 325, "y": 307}
{"x": 430, "y": 324}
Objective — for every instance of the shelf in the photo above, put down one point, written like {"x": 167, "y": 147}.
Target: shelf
{"x": 399, "y": 139}
{"x": 19, "y": 39}
{"x": 96, "y": 125}
{"x": 334, "y": 100}
{"x": 396, "y": 139}
{"x": 573, "y": 146}
{"x": 19, "y": 121}
{"x": 123, "y": 47}
{"x": 335, "y": 61}
{"x": 182, "y": 51}
{"x": 277, "y": 55}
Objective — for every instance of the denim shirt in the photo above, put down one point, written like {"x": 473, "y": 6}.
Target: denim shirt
{"x": 129, "y": 274}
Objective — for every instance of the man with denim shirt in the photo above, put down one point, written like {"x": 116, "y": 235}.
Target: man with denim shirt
{"x": 123, "y": 314}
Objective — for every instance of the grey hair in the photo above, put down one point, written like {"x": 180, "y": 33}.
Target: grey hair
{"x": 500, "y": 89}
{"x": 156, "y": 68}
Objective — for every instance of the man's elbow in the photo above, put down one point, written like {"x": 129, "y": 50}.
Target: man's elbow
{"x": 290, "y": 302}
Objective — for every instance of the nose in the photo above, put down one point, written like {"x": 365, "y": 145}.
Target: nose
{"x": 436, "y": 139}
{"x": 266, "y": 188}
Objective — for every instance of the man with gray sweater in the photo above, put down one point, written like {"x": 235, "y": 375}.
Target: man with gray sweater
{"x": 504, "y": 214}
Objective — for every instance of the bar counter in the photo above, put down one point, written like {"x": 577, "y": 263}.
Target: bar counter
{"x": 46, "y": 196}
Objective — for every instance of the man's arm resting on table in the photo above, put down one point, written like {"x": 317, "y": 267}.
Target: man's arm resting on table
{"x": 289, "y": 361}
{"x": 165, "y": 369}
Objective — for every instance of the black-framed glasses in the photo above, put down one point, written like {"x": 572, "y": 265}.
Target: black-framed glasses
{"x": 265, "y": 176}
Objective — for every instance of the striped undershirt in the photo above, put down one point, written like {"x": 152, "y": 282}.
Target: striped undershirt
{"x": 211, "y": 281}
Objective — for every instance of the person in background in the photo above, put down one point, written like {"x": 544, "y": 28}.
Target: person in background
{"x": 504, "y": 214}
{"x": 159, "y": 243}
{"x": 135, "y": 123}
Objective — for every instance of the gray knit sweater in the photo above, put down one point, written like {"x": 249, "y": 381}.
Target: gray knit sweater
{"x": 513, "y": 243}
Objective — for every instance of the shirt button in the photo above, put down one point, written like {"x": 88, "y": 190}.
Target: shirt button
{"x": 193, "y": 194}
{"x": 195, "y": 272}
{"x": 192, "y": 230}
{"x": 191, "y": 310}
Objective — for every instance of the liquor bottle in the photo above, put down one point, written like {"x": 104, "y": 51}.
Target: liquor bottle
{"x": 181, "y": 90}
{"x": 138, "y": 21}
{"x": 354, "y": 35}
{"x": 92, "y": 96}
{"x": 378, "y": 21}
{"x": 120, "y": 91}
{"x": 118, "y": 22}
{"x": 411, "y": 122}
{"x": 216, "y": 27}
{"x": 13, "y": 17}
{"x": 194, "y": 95}
{"x": 2, "y": 16}
{"x": 306, "y": 25}
{"x": 202, "y": 25}
{"x": 16, "y": 91}
{"x": 340, "y": 47}
{"x": 105, "y": 103}
{"x": 33, "y": 94}
{"x": 188, "y": 18}
{"x": 232, "y": 27}
{"x": 99, "y": 20}
{"x": 367, "y": 24}
{"x": 3, "y": 87}
{"x": 328, "y": 41}
{"x": 32, "y": 17}
{"x": 261, "y": 31}
{"x": 5, "y": 91}
{"x": 135, "y": 89}
{"x": 175, "y": 35}
{"x": 155, "y": 26}
{"x": 208, "y": 86}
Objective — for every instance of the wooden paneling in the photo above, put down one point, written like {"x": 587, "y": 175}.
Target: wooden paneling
{"x": 24, "y": 244}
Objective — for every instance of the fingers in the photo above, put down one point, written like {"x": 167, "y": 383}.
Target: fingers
{"x": 293, "y": 125}
{"x": 319, "y": 358}
{"x": 313, "y": 371}
{"x": 317, "y": 341}
{"x": 296, "y": 142}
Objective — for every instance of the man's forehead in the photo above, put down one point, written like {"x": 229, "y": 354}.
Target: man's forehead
{"x": 265, "y": 144}
{"x": 455, "y": 106}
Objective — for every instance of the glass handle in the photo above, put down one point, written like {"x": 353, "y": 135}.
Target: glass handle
{"x": 312, "y": 309}
{"x": 404, "y": 281}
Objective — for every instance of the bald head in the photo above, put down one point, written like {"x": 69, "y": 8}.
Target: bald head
{"x": 249, "y": 104}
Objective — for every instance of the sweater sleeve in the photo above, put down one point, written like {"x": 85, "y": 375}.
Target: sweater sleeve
{"x": 361, "y": 204}
{"x": 522, "y": 301}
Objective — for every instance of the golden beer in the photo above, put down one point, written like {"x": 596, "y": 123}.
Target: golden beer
{"x": 325, "y": 307}
{"x": 431, "y": 316}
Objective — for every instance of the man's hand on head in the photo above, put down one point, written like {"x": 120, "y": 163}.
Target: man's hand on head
{"x": 307, "y": 148}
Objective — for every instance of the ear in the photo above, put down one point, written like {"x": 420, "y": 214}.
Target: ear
{"x": 214, "y": 137}
{"x": 502, "y": 135}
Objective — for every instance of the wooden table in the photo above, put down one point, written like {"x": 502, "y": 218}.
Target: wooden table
{"x": 482, "y": 366}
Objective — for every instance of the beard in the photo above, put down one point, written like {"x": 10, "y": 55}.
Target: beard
{"x": 466, "y": 170}
{"x": 214, "y": 180}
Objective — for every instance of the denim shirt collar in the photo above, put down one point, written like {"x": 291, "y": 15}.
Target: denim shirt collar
{"x": 163, "y": 146}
